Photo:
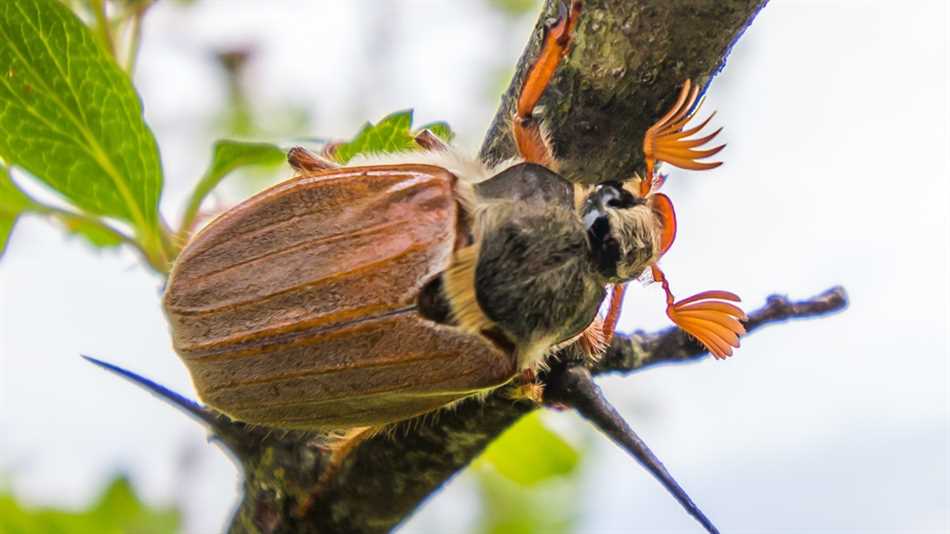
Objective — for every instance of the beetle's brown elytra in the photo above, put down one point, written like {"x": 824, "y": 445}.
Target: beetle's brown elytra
{"x": 296, "y": 309}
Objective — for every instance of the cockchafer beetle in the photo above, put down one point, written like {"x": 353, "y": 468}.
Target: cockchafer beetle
{"x": 363, "y": 295}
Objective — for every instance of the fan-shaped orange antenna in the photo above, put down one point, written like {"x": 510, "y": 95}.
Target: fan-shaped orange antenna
{"x": 708, "y": 316}
{"x": 666, "y": 140}
{"x": 613, "y": 312}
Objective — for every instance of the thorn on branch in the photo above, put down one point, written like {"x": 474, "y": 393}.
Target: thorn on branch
{"x": 574, "y": 386}
{"x": 236, "y": 437}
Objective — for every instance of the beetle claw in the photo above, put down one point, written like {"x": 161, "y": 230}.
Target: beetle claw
{"x": 533, "y": 391}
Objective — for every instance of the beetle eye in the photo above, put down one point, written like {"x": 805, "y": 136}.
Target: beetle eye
{"x": 615, "y": 196}
{"x": 624, "y": 200}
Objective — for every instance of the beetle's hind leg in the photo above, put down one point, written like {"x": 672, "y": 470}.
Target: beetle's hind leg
{"x": 532, "y": 144}
{"x": 526, "y": 386}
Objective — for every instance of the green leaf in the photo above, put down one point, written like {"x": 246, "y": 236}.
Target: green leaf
{"x": 529, "y": 453}
{"x": 507, "y": 508}
{"x": 13, "y": 202}
{"x": 526, "y": 481}
{"x": 117, "y": 511}
{"x": 70, "y": 116}
{"x": 227, "y": 157}
{"x": 441, "y": 129}
{"x": 95, "y": 232}
{"x": 6, "y": 227}
{"x": 515, "y": 8}
{"x": 388, "y": 135}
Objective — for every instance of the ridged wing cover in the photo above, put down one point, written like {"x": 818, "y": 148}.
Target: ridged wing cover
{"x": 296, "y": 308}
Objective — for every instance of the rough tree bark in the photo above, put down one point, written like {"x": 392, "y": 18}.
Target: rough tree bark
{"x": 628, "y": 59}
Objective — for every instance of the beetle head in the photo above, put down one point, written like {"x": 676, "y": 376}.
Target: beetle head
{"x": 623, "y": 229}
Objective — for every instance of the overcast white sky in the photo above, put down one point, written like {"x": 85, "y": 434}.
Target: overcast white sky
{"x": 836, "y": 173}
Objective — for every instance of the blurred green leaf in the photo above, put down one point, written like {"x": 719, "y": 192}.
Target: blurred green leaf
{"x": 239, "y": 115}
{"x": 526, "y": 481}
{"x": 507, "y": 508}
{"x": 118, "y": 510}
{"x": 92, "y": 230}
{"x": 6, "y": 227}
{"x": 70, "y": 116}
{"x": 227, "y": 157}
{"x": 441, "y": 129}
{"x": 391, "y": 134}
{"x": 530, "y": 453}
{"x": 516, "y": 8}
{"x": 13, "y": 202}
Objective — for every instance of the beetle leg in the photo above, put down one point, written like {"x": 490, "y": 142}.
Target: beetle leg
{"x": 596, "y": 338}
{"x": 429, "y": 141}
{"x": 592, "y": 342}
{"x": 527, "y": 387}
{"x": 531, "y": 142}
{"x": 708, "y": 316}
{"x": 613, "y": 313}
{"x": 666, "y": 139}
{"x": 303, "y": 160}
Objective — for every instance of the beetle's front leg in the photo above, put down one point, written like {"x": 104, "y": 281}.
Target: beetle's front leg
{"x": 531, "y": 142}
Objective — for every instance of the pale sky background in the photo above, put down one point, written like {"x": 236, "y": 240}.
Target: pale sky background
{"x": 836, "y": 173}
